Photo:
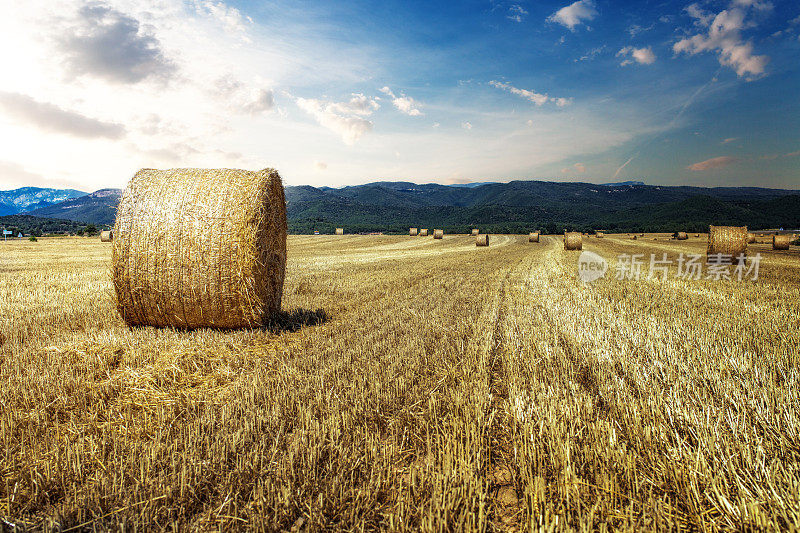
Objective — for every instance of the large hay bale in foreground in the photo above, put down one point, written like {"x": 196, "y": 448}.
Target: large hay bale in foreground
{"x": 781, "y": 242}
{"x": 751, "y": 238}
{"x": 423, "y": 232}
{"x": 106, "y": 236}
{"x": 482, "y": 240}
{"x": 339, "y": 231}
{"x": 681, "y": 235}
{"x": 573, "y": 240}
{"x": 200, "y": 248}
{"x": 533, "y": 237}
{"x": 438, "y": 234}
{"x": 475, "y": 231}
{"x": 727, "y": 240}
{"x": 413, "y": 232}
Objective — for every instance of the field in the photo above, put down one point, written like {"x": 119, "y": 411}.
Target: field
{"x": 410, "y": 384}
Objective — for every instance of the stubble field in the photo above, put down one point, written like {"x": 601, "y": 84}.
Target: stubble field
{"x": 410, "y": 384}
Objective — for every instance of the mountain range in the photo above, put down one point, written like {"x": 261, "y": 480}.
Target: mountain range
{"x": 30, "y": 198}
{"x": 517, "y": 206}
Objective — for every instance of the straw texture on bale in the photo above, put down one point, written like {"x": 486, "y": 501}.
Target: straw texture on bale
{"x": 438, "y": 234}
{"x": 475, "y": 231}
{"x": 751, "y": 238}
{"x": 200, "y": 248}
{"x": 339, "y": 231}
{"x": 482, "y": 240}
{"x": 781, "y": 242}
{"x": 728, "y": 240}
{"x": 573, "y": 240}
{"x": 106, "y": 236}
{"x": 533, "y": 237}
{"x": 681, "y": 236}
{"x": 413, "y": 232}
{"x": 423, "y": 232}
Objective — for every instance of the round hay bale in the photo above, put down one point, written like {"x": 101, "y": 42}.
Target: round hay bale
{"x": 633, "y": 238}
{"x": 533, "y": 237}
{"x": 106, "y": 236}
{"x": 423, "y": 232}
{"x": 482, "y": 240}
{"x": 2, "y": 340}
{"x": 781, "y": 242}
{"x": 573, "y": 240}
{"x": 339, "y": 231}
{"x": 681, "y": 235}
{"x": 438, "y": 234}
{"x": 751, "y": 238}
{"x": 727, "y": 240}
{"x": 200, "y": 248}
{"x": 697, "y": 235}
{"x": 413, "y": 232}
{"x": 641, "y": 235}
{"x": 599, "y": 234}
{"x": 475, "y": 231}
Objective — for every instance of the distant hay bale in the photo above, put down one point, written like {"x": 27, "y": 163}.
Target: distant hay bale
{"x": 697, "y": 235}
{"x": 106, "y": 236}
{"x": 751, "y": 238}
{"x": 641, "y": 235}
{"x": 339, "y": 231}
{"x": 634, "y": 237}
{"x": 599, "y": 234}
{"x": 475, "y": 231}
{"x": 200, "y": 248}
{"x": 781, "y": 242}
{"x": 482, "y": 240}
{"x": 438, "y": 234}
{"x": 533, "y": 236}
{"x": 727, "y": 240}
{"x": 423, "y": 232}
{"x": 681, "y": 235}
{"x": 573, "y": 240}
{"x": 413, "y": 232}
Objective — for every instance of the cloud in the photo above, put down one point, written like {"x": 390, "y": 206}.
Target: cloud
{"x": 625, "y": 164}
{"x": 574, "y": 14}
{"x": 111, "y": 45}
{"x": 232, "y": 20}
{"x": 343, "y": 118}
{"x": 729, "y": 140}
{"x": 49, "y": 117}
{"x": 643, "y": 56}
{"x": 404, "y": 103}
{"x": 715, "y": 162}
{"x": 536, "y": 98}
{"x": 591, "y": 54}
{"x": 516, "y": 13}
{"x": 466, "y": 125}
{"x": 634, "y": 29}
{"x": 242, "y": 99}
{"x": 792, "y": 154}
{"x": 723, "y": 36}
{"x": 16, "y": 173}
{"x": 580, "y": 168}
{"x": 320, "y": 165}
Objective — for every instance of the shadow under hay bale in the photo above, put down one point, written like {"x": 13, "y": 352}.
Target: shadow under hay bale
{"x": 573, "y": 240}
{"x": 294, "y": 320}
{"x": 199, "y": 248}
{"x": 730, "y": 241}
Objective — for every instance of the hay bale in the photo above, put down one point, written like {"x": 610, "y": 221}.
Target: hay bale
{"x": 728, "y": 240}
{"x": 106, "y": 236}
{"x": 423, "y": 232}
{"x": 634, "y": 237}
{"x": 781, "y": 242}
{"x": 681, "y": 235}
{"x": 438, "y": 234}
{"x": 200, "y": 248}
{"x": 413, "y": 232}
{"x": 573, "y": 240}
{"x": 697, "y": 235}
{"x": 475, "y": 231}
{"x": 751, "y": 238}
{"x": 599, "y": 234}
{"x": 533, "y": 237}
{"x": 339, "y": 231}
{"x": 482, "y": 240}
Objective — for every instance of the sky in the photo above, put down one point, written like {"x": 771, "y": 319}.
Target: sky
{"x": 341, "y": 93}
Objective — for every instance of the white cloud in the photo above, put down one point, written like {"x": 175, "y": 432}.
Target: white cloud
{"x": 724, "y": 37}
{"x": 404, "y": 103}
{"x": 466, "y": 125}
{"x": 343, "y": 118}
{"x": 591, "y": 54}
{"x": 729, "y": 140}
{"x": 644, "y": 56}
{"x": 579, "y": 168}
{"x": 534, "y": 97}
{"x": 516, "y": 13}
{"x": 574, "y": 14}
{"x": 713, "y": 163}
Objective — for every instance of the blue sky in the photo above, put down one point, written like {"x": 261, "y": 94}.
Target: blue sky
{"x": 338, "y": 93}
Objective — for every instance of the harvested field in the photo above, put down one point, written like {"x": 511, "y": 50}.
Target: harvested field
{"x": 503, "y": 396}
